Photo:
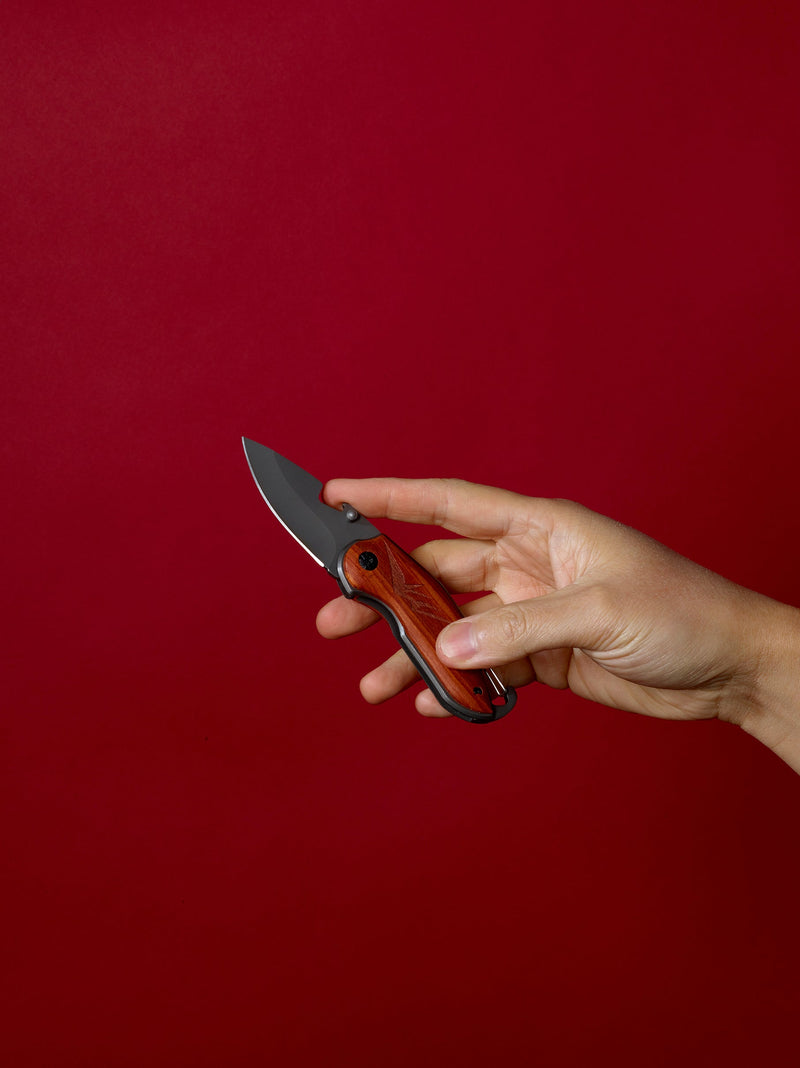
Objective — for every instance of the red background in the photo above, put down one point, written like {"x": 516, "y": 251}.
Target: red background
{"x": 547, "y": 246}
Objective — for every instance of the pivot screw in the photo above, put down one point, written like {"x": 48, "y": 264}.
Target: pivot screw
{"x": 369, "y": 561}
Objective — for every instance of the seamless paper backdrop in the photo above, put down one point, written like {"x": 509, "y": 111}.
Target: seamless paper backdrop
{"x": 548, "y": 247}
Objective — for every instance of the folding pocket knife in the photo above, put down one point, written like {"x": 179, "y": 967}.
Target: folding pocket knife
{"x": 370, "y": 568}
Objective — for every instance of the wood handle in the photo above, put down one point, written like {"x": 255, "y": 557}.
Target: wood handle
{"x": 417, "y": 607}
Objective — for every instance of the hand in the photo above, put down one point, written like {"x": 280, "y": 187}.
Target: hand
{"x": 576, "y": 600}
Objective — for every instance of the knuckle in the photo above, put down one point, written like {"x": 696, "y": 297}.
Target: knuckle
{"x": 567, "y": 509}
{"x": 601, "y": 601}
{"x": 513, "y": 626}
{"x": 442, "y": 491}
{"x": 603, "y": 609}
{"x": 436, "y": 498}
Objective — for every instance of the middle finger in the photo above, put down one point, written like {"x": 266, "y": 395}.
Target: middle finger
{"x": 462, "y": 565}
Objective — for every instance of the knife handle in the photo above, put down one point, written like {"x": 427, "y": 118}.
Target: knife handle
{"x": 417, "y": 607}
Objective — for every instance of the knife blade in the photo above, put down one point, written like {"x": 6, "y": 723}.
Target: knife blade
{"x": 371, "y": 568}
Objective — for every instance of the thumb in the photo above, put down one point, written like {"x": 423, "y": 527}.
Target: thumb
{"x": 578, "y": 617}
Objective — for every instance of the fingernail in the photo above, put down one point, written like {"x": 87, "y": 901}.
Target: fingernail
{"x": 458, "y": 640}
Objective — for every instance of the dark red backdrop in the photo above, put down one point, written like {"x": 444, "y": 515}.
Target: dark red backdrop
{"x": 546, "y": 246}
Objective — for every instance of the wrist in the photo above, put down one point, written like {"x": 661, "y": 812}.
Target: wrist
{"x": 770, "y": 708}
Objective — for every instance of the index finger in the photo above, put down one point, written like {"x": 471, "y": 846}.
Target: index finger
{"x": 462, "y": 507}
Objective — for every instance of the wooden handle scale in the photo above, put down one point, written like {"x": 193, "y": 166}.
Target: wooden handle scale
{"x": 417, "y": 607}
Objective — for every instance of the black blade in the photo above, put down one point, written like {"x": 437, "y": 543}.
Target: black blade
{"x": 293, "y": 495}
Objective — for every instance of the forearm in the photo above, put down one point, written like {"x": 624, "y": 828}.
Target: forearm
{"x": 770, "y": 710}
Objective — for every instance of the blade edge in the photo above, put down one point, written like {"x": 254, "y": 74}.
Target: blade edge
{"x": 287, "y": 528}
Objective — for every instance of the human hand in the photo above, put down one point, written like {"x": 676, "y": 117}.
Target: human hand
{"x": 575, "y": 600}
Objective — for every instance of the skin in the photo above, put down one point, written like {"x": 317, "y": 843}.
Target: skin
{"x": 578, "y": 600}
